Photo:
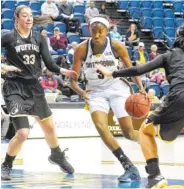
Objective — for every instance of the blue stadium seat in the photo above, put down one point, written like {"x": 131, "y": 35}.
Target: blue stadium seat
{"x": 146, "y": 12}
{"x": 157, "y": 12}
{"x": 169, "y": 13}
{"x": 7, "y": 13}
{"x": 80, "y": 17}
{"x": 134, "y": 13}
{"x": 79, "y": 9}
{"x": 157, "y": 4}
{"x": 9, "y": 4}
{"x": 178, "y": 7}
{"x": 158, "y": 33}
{"x": 123, "y": 6}
{"x": 154, "y": 86}
{"x": 158, "y": 22}
{"x": 134, "y": 87}
{"x": 49, "y": 27}
{"x": 170, "y": 33}
{"x": 72, "y": 37}
{"x": 147, "y": 23}
{"x": 35, "y": 13}
{"x": 165, "y": 89}
{"x": 3, "y": 51}
{"x": 146, "y": 4}
{"x": 23, "y": 3}
{"x": 179, "y": 22}
{"x": 85, "y": 30}
{"x": 61, "y": 26}
{"x": 36, "y": 6}
{"x": 134, "y": 4}
{"x": 170, "y": 42}
{"x": 7, "y": 23}
{"x": 169, "y": 22}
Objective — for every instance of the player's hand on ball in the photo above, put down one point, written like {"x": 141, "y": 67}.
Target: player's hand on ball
{"x": 70, "y": 73}
{"x": 103, "y": 70}
{"x": 6, "y": 68}
{"x": 142, "y": 91}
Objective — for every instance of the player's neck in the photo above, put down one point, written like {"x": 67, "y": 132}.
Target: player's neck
{"x": 97, "y": 48}
{"x": 24, "y": 33}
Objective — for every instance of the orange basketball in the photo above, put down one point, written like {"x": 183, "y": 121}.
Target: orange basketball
{"x": 137, "y": 105}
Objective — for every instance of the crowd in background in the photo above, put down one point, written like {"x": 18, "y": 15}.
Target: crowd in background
{"x": 62, "y": 51}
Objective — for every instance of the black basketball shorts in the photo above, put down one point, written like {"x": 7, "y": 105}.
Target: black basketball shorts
{"x": 170, "y": 115}
{"x": 25, "y": 97}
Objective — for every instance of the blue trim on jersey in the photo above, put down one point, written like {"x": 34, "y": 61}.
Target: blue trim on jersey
{"x": 112, "y": 48}
{"x": 105, "y": 45}
{"x": 84, "y": 59}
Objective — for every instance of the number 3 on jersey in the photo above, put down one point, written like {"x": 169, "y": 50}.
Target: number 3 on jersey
{"x": 29, "y": 59}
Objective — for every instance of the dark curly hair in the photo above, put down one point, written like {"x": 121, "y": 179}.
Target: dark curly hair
{"x": 179, "y": 41}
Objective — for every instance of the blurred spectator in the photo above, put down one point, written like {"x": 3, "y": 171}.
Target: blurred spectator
{"x": 91, "y": 11}
{"x": 114, "y": 34}
{"x": 58, "y": 40}
{"x": 67, "y": 16}
{"x": 71, "y": 52}
{"x": 158, "y": 78}
{"x": 152, "y": 97}
{"x": 62, "y": 62}
{"x": 49, "y": 82}
{"x": 52, "y": 51}
{"x": 103, "y": 9}
{"x": 153, "y": 52}
{"x": 132, "y": 36}
{"x": 50, "y": 8}
{"x": 140, "y": 55}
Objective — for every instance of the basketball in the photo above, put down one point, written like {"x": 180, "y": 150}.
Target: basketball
{"x": 137, "y": 105}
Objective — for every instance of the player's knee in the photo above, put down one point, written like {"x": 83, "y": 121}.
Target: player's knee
{"x": 100, "y": 126}
{"x": 22, "y": 134}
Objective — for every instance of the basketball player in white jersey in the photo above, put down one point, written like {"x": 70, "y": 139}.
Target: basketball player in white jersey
{"x": 103, "y": 94}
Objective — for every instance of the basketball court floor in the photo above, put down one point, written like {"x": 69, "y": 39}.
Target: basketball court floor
{"x": 95, "y": 166}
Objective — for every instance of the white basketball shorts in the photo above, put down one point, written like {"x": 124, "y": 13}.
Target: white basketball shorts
{"x": 113, "y": 96}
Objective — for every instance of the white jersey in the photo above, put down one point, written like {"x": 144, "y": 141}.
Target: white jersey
{"x": 107, "y": 59}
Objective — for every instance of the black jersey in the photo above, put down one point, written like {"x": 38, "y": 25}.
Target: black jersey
{"x": 172, "y": 61}
{"x": 26, "y": 54}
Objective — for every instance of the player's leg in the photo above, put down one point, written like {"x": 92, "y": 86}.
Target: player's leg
{"x": 100, "y": 119}
{"x": 131, "y": 171}
{"x": 168, "y": 133}
{"x": 117, "y": 97}
{"x": 57, "y": 156}
{"x": 127, "y": 128}
{"x": 21, "y": 125}
{"x": 150, "y": 151}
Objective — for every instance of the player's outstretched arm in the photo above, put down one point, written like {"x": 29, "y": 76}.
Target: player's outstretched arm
{"x": 51, "y": 66}
{"x": 78, "y": 57}
{"x": 135, "y": 70}
{"x": 7, "y": 68}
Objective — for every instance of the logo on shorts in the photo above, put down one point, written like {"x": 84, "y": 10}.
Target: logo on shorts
{"x": 15, "y": 108}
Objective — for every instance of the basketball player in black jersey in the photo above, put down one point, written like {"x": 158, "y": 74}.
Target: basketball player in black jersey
{"x": 170, "y": 115}
{"x": 22, "y": 91}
